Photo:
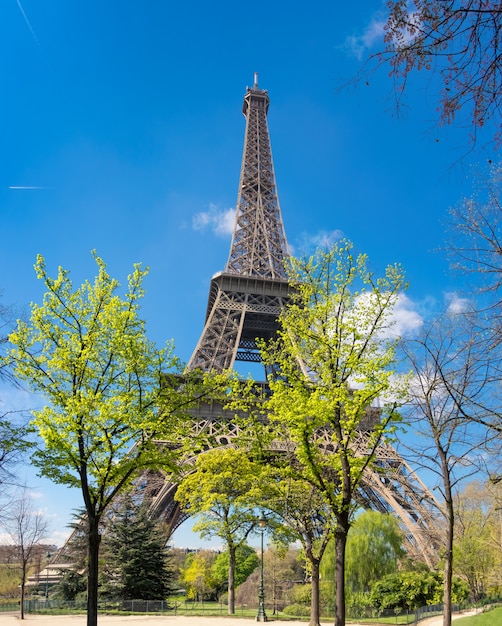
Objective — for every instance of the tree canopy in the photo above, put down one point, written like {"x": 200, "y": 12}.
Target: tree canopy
{"x": 246, "y": 561}
{"x": 108, "y": 391}
{"x": 460, "y": 40}
{"x": 478, "y": 543}
{"x": 334, "y": 394}
{"x": 411, "y": 590}
{"x": 224, "y": 491}
{"x": 374, "y": 547}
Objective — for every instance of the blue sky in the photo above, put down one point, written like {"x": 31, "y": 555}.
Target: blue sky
{"x": 121, "y": 131}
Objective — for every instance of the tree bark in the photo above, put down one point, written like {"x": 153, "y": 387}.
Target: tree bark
{"x": 22, "y": 593}
{"x": 315, "y": 606}
{"x": 231, "y": 580}
{"x": 448, "y": 562}
{"x": 92, "y": 576}
{"x": 342, "y": 529}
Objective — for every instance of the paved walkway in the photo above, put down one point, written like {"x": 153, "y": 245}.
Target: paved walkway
{"x": 12, "y": 619}
{"x": 136, "y": 620}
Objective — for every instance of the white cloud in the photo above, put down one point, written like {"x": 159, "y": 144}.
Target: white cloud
{"x": 455, "y": 304}
{"x": 321, "y": 239}
{"x": 26, "y": 187}
{"x": 357, "y": 45}
{"x": 220, "y": 222}
{"x": 405, "y": 316}
{"x": 403, "y": 319}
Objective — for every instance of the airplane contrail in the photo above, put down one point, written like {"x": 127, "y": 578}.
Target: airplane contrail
{"x": 27, "y": 21}
{"x": 27, "y": 187}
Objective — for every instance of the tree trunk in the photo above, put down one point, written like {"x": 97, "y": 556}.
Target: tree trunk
{"x": 448, "y": 561}
{"x": 24, "y": 572}
{"x": 23, "y": 592}
{"x": 94, "y": 539}
{"x": 231, "y": 580}
{"x": 315, "y": 606}
{"x": 447, "y": 587}
{"x": 342, "y": 529}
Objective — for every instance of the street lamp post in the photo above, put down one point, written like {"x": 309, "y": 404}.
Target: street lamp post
{"x": 47, "y": 576}
{"x": 261, "y": 616}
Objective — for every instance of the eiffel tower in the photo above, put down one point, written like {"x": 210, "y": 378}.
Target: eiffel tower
{"x": 243, "y": 305}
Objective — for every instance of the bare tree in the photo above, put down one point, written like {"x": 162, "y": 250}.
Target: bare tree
{"x": 27, "y": 527}
{"x": 13, "y": 430}
{"x": 475, "y": 249}
{"x": 448, "y": 376}
{"x": 459, "y": 40}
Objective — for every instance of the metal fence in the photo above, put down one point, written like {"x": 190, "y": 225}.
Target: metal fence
{"x": 130, "y": 606}
{"x": 126, "y": 606}
{"x": 200, "y": 609}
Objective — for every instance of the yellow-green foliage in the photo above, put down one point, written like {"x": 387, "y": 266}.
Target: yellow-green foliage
{"x": 9, "y": 581}
{"x": 335, "y": 357}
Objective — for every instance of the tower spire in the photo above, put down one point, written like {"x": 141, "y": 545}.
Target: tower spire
{"x": 246, "y": 298}
{"x": 259, "y": 244}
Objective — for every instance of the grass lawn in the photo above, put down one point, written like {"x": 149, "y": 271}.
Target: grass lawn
{"x": 491, "y": 618}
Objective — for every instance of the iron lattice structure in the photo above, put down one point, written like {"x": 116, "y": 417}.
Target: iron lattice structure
{"x": 244, "y": 304}
{"x": 246, "y": 298}
{"x": 390, "y": 485}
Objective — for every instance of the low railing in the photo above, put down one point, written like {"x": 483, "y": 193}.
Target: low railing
{"x": 186, "y": 608}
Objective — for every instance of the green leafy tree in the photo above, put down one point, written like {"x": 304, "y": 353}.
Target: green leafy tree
{"x": 300, "y": 514}
{"x": 197, "y": 575}
{"x": 246, "y": 561}
{"x": 374, "y": 547}
{"x": 137, "y": 562}
{"x": 224, "y": 491}
{"x": 478, "y": 541}
{"x": 334, "y": 360}
{"x": 109, "y": 396}
{"x": 411, "y": 590}
{"x": 178, "y": 558}
{"x": 71, "y": 587}
{"x": 72, "y": 584}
